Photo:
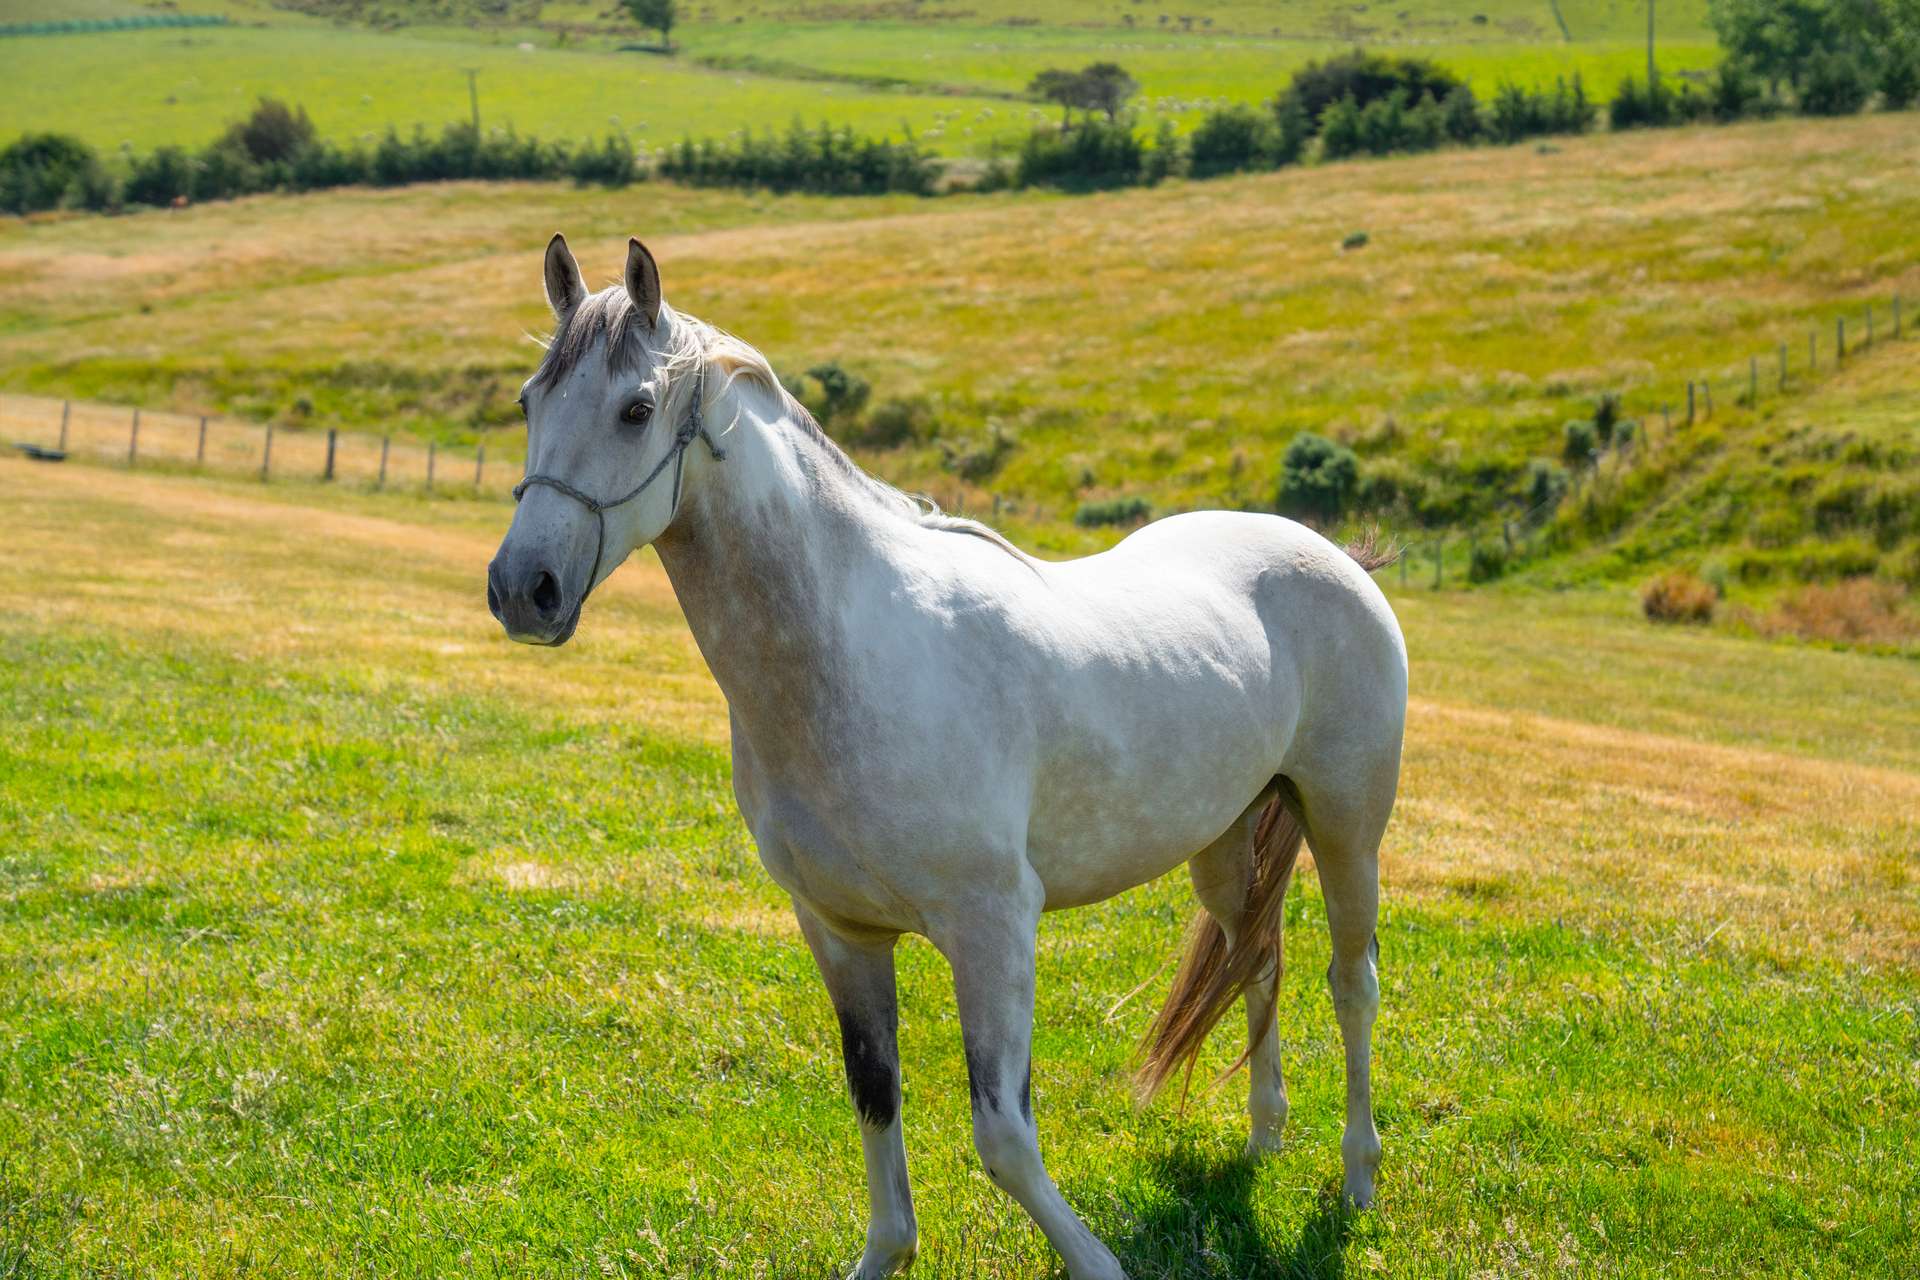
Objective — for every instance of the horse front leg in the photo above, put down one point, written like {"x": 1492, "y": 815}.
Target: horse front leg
{"x": 991, "y": 949}
{"x": 860, "y": 981}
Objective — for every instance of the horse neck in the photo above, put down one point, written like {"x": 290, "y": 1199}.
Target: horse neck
{"x": 762, "y": 553}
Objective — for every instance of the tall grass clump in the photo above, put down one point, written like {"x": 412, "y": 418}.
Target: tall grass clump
{"x": 1678, "y": 596}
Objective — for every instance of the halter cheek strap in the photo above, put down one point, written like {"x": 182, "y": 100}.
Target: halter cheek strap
{"x": 691, "y": 427}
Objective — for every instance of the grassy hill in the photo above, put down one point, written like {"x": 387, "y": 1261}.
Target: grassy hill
{"x": 1501, "y": 293}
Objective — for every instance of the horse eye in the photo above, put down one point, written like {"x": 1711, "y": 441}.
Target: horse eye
{"x": 637, "y": 412}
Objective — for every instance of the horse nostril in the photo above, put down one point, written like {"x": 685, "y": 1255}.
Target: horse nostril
{"x": 546, "y": 594}
{"x": 493, "y": 598}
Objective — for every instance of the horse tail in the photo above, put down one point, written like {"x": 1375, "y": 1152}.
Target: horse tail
{"x": 1370, "y": 552}
{"x": 1212, "y": 975}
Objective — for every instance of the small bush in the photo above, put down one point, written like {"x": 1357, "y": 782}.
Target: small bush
{"x": 1113, "y": 511}
{"x": 1518, "y": 114}
{"x": 896, "y": 422}
{"x": 1487, "y": 561}
{"x": 52, "y": 171}
{"x": 1318, "y": 478}
{"x": 840, "y": 397}
{"x": 1093, "y": 154}
{"x": 1236, "y": 139}
{"x": 1578, "y": 443}
{"x": 1856, "y": 611}
{"x": 1900, "y": 75}
{"x": 1544, "y": 488}
{"x": 1364, "y": 78}
{"x": 1678, "y": 597}
{"x": 1837, "y": 84}
{"x": 974, "y": 459}
{"x": 824, "y": 161}
{"x": 272, "y": 132}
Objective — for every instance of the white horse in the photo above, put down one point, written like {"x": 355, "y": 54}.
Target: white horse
{"x": 934, "y": 733}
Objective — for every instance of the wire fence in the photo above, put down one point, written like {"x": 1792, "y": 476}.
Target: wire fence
{"x": 137, "y": 437}
{"x": 1657, "y": 427}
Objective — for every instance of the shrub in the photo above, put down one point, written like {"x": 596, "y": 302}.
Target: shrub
{"x": 51, "y": 171}
{"x": 1577, "y": 446}
{"x": 1092, "y": 154}
{"x": 896, "y": 422}
{"x": 1544, "y": 488}
{"x": 1167, "y": 157}
{"x": 611, "y": 164}
{"x": 1678, "y": 597}
{"x": 160, "y": 178}
{"x": 825, "y": 161}
{"x": 272, "y": 132}
{"x": 1365, "y": 78}
{"x": 1837, "y": 84}
{"x": 1340, "y": 130}
{"x": 1233, "y": 140}
{"x": 1519, "y": 113}
{"x": 842, "y": 394}
{"x": 1318, "y": 478}
{"x": 1734, "y": 93}
{"x": 1606, "y": 415}
{"x": 1460, "y": 116}
{"x": 973, "y": 459}
{"x": 1487, "y": 561}
{"x": 1900, "y": 75}
{"x": 1113, "y": 511}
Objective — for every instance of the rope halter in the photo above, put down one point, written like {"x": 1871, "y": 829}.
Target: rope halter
{"x": 691, "y": 427}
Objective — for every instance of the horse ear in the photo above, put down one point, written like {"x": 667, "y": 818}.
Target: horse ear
{"x": 564, "y": 290}
{"x": 643, "y": 282}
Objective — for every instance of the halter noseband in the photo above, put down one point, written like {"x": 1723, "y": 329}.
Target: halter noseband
{"x": 676, "y": 454}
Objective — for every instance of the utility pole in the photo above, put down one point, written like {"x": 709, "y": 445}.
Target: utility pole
{"x": 473, "y": 92}
{"x": 1651, "y": 72}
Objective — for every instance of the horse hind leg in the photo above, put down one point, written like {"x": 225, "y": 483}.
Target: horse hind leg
{"x": 1344, "y": 825}
{"x": 1241, "y": 881}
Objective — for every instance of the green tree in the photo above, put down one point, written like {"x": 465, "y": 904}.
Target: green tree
{"x": 1106, "y": 86}
{"x": 1058, "y": 85}
{"x": 657, "y": 15}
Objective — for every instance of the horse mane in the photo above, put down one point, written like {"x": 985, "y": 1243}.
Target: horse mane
{"x": 684, "y": 343}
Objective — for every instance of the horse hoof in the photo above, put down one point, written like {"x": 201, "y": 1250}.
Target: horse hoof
{"x": 878, "y": 1264}
{"x": 1261, "y": 1144}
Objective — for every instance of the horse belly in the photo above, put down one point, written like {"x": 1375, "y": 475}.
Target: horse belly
{"x": 1118, "y": 812}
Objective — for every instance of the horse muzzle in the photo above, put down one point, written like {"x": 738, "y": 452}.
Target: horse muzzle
{"x": 531, "y": 603}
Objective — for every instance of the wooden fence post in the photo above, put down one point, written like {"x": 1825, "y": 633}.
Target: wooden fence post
{"x": 200, "y": 450}
{"x": 66, "y": 414}
{"x": 332, "y": 436}
{"x": 266, "y": 455}
{"x": 1840, "y": 340}
{"x": 133, "y": 438}
{"x": 1506, "y": 530}
{"x": 479, "y": 465}
{"x": 1689, "y": 404}
{"x": 430, "y": 452}
{"x": 386, "y": 443}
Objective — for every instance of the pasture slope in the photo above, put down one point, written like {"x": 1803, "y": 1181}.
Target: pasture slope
{"x": 1502, "y": 292}
{"x": 339, "y": 936}
{"x": 577, "y": 70}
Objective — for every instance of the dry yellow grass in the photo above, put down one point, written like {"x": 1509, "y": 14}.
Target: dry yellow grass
{"x": 1767, "y": 848}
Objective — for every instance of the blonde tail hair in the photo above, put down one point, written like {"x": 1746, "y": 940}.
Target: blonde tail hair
{"x": 1212, "y": 975}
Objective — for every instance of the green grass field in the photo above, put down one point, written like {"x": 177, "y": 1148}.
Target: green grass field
{"x": 342, "y": 937}
{"x": 557, "y": 70}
